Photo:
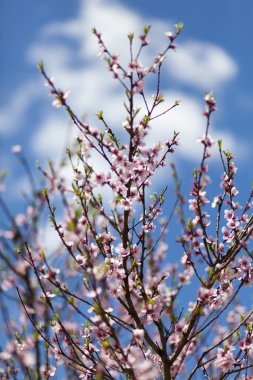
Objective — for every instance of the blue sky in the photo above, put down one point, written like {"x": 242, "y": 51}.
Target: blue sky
{"x": 214, "y": 53}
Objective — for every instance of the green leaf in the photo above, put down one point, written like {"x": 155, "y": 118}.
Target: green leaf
{"x": 160, "y": 99}
{"x": 190, "y": 224}
{"x": 42, "y": 254}
{"x": 100, "y": 115}
{"x": 146, "y": 119}
{"x": 44, "y": 191}
{"x": 106, "y": 343}
{"x": 179, "y": 27}
{"x": 17, "y": 250}
{"x": 173, "y": 317}
{"x": 107, "y": 60}
{"x": 68, "y": 151}
{"x": 35, "y": 335}
{"x": 153, "y": 197}
{"x": 146, "y": 29}
{"x": 130, "y": 36}
{"x": 56, "y": 315}
{"x": 118, "y": 198}
{"x": 249, "y": 327}
{"x": 71, "y": 300}
{"x": 40, "y": 66}
{"x": 71, "y": 225}
{"x": 227, "y": 154}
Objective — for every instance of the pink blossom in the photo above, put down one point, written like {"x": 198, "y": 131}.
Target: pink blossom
{"x": 229, "y": 214}
{"x": 170, "y": 35}
{"x": 16, "y": 148}
{"x": 138, "y": 87}
{"x": 138, "y": 335}
{"x": 227, "y": 235}
{"x": 70, "y": 244}
{"x": 81, "y": 260}
{"x": 47, "y": 372}
{"x": 126, "y": 204}
{"x": 225, "y": 359}
{"x": 60, "y": 99}
{"x": 216, "y": 201}
{"x": 206, "y": 140}
{"x": 5, "y": 355}
{"x": 210, "y": 102}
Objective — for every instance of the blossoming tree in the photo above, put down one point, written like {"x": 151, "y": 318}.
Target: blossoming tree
{"x": 110, "y": 303}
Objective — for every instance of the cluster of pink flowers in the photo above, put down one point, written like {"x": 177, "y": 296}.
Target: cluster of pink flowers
{"x": 114, "y": 300}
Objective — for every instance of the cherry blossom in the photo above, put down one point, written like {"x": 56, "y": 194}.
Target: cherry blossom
{"x": 139, "y": 286}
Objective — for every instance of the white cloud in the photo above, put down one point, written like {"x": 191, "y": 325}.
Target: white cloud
{"x": 49, "y": 239}
{"x": 202, "y": 65}
{"x": 114, "y": 20}
{"x": 52, "y": 138}
{"x": 14, "y": 111}
{"x": 78, "y": 69}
